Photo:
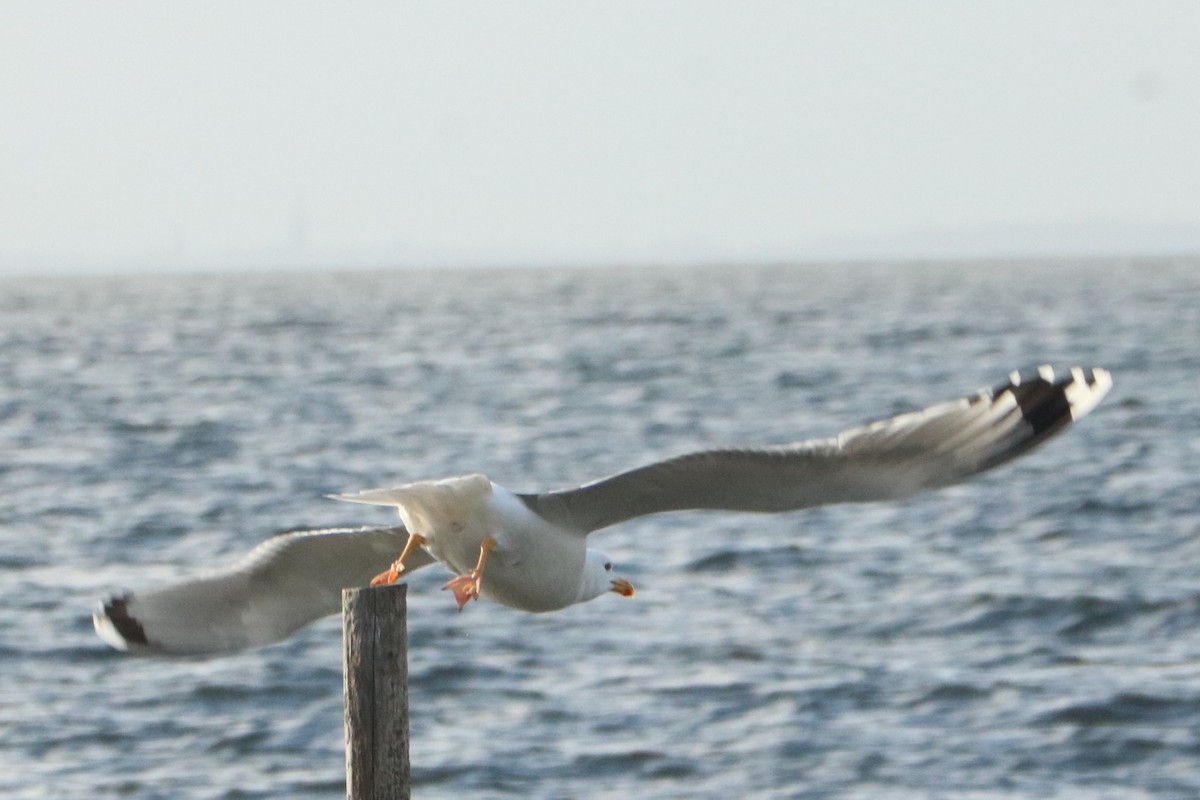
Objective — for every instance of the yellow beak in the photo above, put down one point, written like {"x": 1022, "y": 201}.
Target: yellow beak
{"x": 622, "y": 587}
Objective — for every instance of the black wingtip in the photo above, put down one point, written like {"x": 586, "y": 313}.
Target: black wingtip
{"x": 1048, "y": 402}
{"x": 117, "y": 626}
{"x": 1043, "y": 404}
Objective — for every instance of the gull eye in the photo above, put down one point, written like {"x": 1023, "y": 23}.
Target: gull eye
{"x": 608, "y": 566}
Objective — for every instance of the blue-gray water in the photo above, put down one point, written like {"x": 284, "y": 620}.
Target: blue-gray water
{"x": 1035, "y": 633}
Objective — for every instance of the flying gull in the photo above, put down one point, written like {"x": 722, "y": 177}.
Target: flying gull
{"x": 529, "y": 551}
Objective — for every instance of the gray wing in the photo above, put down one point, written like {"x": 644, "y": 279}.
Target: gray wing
{"x": 889, "y": 459}
{"x": 281, "y": 585}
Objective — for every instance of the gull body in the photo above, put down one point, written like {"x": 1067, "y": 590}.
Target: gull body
{"x": 535, "y": 565}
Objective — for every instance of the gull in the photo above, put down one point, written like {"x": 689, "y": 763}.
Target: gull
{"x": 529, "y": 551}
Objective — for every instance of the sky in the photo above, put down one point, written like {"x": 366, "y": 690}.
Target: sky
{"x": 224, "y": 135}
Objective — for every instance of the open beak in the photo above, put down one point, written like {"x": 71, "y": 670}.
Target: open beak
{"x": 622, "y": 587}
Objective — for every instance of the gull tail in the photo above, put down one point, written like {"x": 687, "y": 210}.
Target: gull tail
{"x": 390, "y": 496}
{"x": 430, "y": 505}
{"x": 447, "y": 489}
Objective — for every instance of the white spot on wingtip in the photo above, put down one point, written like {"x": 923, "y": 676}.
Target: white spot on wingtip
{"x": 1082, "y": 395}
{"x": 107, "y": 631}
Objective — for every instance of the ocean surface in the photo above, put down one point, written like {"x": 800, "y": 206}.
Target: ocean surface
{"x": 1032, "y": 634}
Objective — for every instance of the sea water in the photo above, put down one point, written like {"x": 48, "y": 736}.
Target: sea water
{"x": 1033, "y": 633}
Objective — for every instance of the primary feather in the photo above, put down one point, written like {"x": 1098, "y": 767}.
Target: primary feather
{"x": 886, "y": 460}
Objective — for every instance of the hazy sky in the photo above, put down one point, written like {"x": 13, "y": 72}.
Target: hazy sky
{"x": 166, "y": 134}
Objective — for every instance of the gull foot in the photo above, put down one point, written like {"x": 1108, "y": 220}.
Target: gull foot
{"x": 465, "y": 588}
{"x": 390, "y": 576}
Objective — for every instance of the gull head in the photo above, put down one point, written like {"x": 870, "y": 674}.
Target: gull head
{"x": 598, "y": 578}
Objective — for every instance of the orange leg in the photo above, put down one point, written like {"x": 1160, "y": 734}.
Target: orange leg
{"x": 415, "y": 540}
{"x": 466, "y": 587}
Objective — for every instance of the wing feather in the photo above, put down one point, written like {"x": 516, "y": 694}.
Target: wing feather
{"x": 889, "y": 459}
{"x": 281, "y": 585}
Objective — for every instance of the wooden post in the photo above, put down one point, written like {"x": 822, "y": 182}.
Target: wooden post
{"x": 375, "y": 692}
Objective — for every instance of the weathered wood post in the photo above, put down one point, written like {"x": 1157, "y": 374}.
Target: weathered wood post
{"x": 375, "y": 692}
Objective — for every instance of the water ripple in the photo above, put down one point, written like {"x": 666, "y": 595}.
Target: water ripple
{"x": 1033, "y": 634}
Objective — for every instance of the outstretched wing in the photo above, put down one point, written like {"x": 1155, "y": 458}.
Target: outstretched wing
{"x": 889, "y": 459}
{"x": 281, "y": 585}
